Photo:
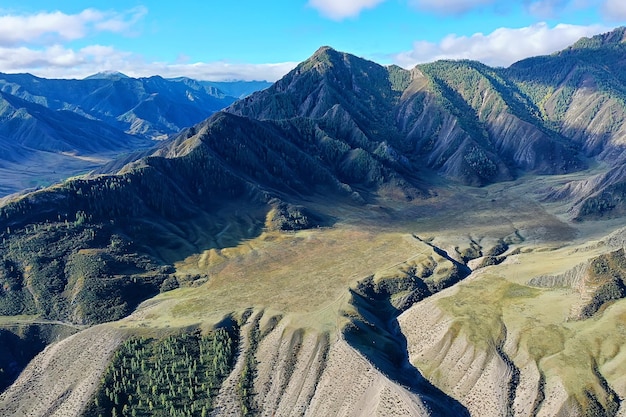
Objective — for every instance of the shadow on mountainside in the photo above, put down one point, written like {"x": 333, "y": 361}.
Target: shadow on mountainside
{"x": 377, "y": 336}
{"x": 19, "y": 344}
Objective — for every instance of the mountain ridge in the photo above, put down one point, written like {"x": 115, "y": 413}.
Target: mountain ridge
{"x": 109, "y": 108}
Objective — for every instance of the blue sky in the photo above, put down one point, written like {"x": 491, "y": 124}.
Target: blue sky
{"x": 255, "y": 39}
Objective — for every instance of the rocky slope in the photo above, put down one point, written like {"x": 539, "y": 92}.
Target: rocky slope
{"x": 515, "y": 355}
{"x": 432, "y": 116}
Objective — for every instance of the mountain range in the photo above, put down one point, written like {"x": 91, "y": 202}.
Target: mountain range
{"x": 53, "y": 129}
{"x": 445, "y": 240}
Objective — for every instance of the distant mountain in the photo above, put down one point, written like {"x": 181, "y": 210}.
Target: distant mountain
{"x": 151, "y": 107}
{"x": 53, "y": 129}
{"x": 239, "y": 89}
{"x": 107, "y": 75}
{"x": 40, "y": 146}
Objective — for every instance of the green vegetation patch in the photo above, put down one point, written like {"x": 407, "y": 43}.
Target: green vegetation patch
{"x": 248, "y": 373}
{"x": 176, "y": 376}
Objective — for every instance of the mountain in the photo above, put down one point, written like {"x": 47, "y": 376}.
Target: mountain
{"x": 107, "y": 75}
{"x": 353, "y": 240}
{"x": 239, "y": 89}
{"x": 46, "y": 122}
{"x": 472, "y": 112}
{"x": 581, "y": 91}
{"x": 39, "y": 145}
{"x": 151, "y": 107}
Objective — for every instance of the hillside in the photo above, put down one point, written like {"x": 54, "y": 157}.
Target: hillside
{"x": 353, "y": 240}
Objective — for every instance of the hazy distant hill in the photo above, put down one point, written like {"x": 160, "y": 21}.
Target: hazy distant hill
{"x": 150, "y": 107}
{"x": 53, "y": 129}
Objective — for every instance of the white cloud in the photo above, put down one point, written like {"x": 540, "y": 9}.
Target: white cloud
{"x": 450, "y": 6}
{"x": 546, "y": 8}
{"x": 615, "y": 9}
{"x": 51, "y": 27}
{"x": 223, "y": 71}
{"x": 502, "y": 47}
{"x": 121, "y": 22}
{"x": 341, "y": 9}
{"x": 40, "y": 44}
{"x": 57, "y": 61}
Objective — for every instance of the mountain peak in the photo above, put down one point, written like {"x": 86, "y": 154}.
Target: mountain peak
{"x": 107, "y": 75}
{"x": 324, "y": 55}
{"x": 323, "y": 50}
{"x": 328, "y": 59}
{"x": 614, "y": 37}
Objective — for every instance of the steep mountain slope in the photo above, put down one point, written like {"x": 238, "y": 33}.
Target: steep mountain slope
{"x": 490, "y": 131}
{"x": 439, "y": 116}
{"x": 330, "y": 226}
{"x": 581, "y": 92}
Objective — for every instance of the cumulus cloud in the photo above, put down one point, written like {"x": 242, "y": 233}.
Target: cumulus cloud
{"x": 450, "y": 6}
{"x": 502, "y": 47}
{"x": 615, "y": 9}
{"x": 339, "y": 10}
{"x": 51, "y": 27}
{"x": 40, "y": 44}
{"x": 57, "y": 61}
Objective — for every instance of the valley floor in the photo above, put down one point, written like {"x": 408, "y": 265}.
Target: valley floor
{"x": 367, "y": 318}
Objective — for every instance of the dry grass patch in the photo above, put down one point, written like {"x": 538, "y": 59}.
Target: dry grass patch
{"x": 305, "y": 274}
